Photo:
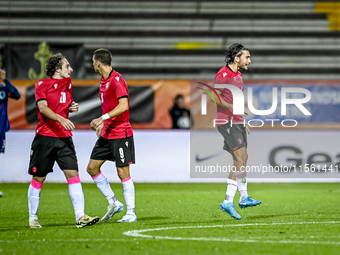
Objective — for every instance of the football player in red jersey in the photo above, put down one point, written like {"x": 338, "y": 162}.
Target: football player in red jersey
{"x": 234, "y": 132}
{"x": 53, "y": 140}
{"x": 115, "y": 142}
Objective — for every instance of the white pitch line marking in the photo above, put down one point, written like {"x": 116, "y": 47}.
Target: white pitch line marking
{"x": 139, "y": 233}
{"x": 71, "y": 240}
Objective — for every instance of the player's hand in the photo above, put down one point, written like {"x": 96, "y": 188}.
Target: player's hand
{"x": 2, "y": 74}
{"x": 245, "y": 114}
{"x": 247, "y": 129}
{"x": 96, "y": 122}
{"x": 99, "y": 130}
{"x": 74, "y": 107}
{"x": 66, "y": 123}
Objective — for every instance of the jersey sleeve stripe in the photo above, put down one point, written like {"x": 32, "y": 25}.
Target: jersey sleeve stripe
{"x": 40, "y": 100}
{"x": 122, "y": 97}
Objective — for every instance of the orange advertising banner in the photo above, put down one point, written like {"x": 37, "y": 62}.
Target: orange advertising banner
{"x": 164, "y": 92}
{"x": 150, "y": 101}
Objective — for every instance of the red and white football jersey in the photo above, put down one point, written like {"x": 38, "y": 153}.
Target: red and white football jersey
{"x": 113, "y": 88}
{"x": 226, "y": 76}
{"x": 58, "y": 93}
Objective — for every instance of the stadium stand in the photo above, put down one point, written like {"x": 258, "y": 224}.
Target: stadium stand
{"x": 186, "y": 39}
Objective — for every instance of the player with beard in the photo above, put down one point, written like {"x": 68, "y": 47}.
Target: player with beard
{"x": 234, "y": 132}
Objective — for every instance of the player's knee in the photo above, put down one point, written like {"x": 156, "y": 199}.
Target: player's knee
{"x": 39, "y": 179}
{"x": 123, "y": 172}
{"x": 245, "y": 157}
{"x": 91, "y": 170}
{"x": 93, "y": 167}
{"x": 123, "y": 175}
{"x": 242, "y": 158}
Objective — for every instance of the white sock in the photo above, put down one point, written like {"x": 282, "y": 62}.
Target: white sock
{"x": 242, "y": 185}
{"x": 104, "y": 186}
{"x": 231, "y": 190}
{"x": 77, "y": 196}
{"x": 34, "y": 199}
{"x": 129, "y": 195}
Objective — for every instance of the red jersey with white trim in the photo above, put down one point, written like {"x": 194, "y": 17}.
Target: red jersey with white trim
{"x": 226, "y": 76}
{"x": 58, "y": 94}
{"x": 113, "y": 88}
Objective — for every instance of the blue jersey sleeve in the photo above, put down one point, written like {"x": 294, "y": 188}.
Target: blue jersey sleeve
{"x": 14, "y": 93}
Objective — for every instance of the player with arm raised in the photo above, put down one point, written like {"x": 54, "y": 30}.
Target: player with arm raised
{"x": 53, "y": 140}
{"x": 115, "y": 142}
{"x": 234, "y": 132}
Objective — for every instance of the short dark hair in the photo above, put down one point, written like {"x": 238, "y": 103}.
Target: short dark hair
{"x": 103, "y": 55}
{"x": 234, "y": 50}
{"x": 54, "y": 63}
{"x": 179, "y": 96}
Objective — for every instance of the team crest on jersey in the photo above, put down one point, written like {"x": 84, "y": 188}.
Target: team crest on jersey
{"x": 117, "y": 78}
{"x": 224, "y": 74}
{"x": 107, "y": 85}
{"x": 234, "y": 78}
{"x": 55, "y": 85}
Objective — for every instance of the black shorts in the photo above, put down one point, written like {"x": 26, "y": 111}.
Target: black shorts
{"x": 121, "y": 150}
{"x": 46, "y": 150}
{"x": 235, "y": 136}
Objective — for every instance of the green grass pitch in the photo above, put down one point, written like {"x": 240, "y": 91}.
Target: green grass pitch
{"x": 177, "y": 219}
